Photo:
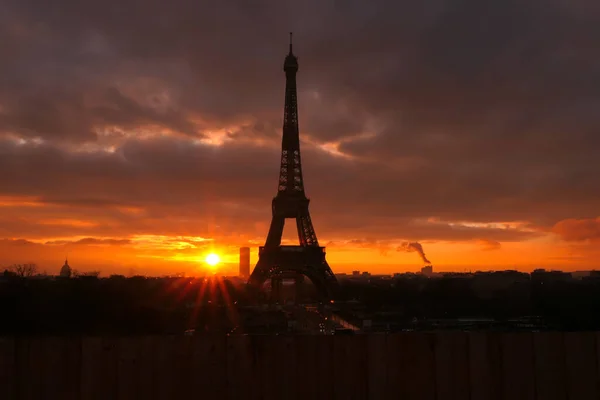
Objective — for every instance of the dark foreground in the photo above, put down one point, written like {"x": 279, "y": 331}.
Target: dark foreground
{"x": 117, "y": 305}
{"x": 443, "y": 365}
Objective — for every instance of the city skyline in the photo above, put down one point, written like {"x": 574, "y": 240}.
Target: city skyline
{"x": 147, "y": 143}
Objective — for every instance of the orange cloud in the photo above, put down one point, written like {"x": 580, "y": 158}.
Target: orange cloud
{"x": 68, "y": 222}
{"x": 577, "y": 230}
{"x": 487, "y": 244}
{"x": 20, "y": 201}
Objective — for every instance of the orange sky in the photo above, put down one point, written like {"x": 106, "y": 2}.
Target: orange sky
{"x": 155, "y": 254}
{"x": 138, "y": 139}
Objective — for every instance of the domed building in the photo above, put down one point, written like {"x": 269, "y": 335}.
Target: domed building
{"x": 65, "y": 271}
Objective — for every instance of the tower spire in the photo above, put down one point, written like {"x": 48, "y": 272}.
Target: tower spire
{"x": 290, "y": 42}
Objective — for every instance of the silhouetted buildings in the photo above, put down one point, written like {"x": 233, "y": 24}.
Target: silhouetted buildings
{"x": 543, "y": 276}
{"x": 500, "y": 300}
{"x": 65, "y": 271}
{"x": 244, "y": 262}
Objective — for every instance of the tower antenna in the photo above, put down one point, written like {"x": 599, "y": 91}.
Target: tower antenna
{"x": 290, "y": 42}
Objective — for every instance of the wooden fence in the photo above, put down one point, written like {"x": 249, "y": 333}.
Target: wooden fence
{"x": 445, "y": 365}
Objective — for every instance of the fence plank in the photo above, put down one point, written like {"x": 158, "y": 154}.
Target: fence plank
{"x": 395, "y": 377}
{"x": 421, "y": 367}
{"x": 275, "y": 367}
{"x": 72, "y": 377}
{"x": 582, "y": 369}
{"x": 145, "y": 374}
{"x": 306, "y": 386}
{"x": 350, "y": 373}
{"x": 128, "y": 364}
{"x": 166, "y": 366}
{"x": 60, "y": 365}
{"x": 377, "y": 365}
{"x": 49, "y": 360}
{"x": 290, "y": 362}
{"x": 183, "y": 357}
{"x": 287, "y": 353}
{"x": 241, "y": 379}
{"x": 99, "y": 368}
{"x": 342, "y": 380}
{"x": 8, "y": 389}
{"x": 411, "y": 366}
{"x": 598, "y": 360}
{"x": 444, "y": 365}
{"x": 452, "y": 365}
{"x": 161, "y": 364}
{"x": 21, "y": 367}
{"x": 324, "y": 369}
{"x": 30, "y": 368}
{"x": 209, "y": 366}
{"x": 550, "y": 369}
{"x": 517, "y": 366}
{"x": 485, "y": 370}
{"x": 266, "y": 368}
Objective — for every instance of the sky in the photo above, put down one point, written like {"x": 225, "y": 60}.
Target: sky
{"x": 138, "y": 136}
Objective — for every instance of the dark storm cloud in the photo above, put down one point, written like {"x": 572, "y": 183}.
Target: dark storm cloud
{"x": 170, "y": 184}
{"x": 478, "y": 110}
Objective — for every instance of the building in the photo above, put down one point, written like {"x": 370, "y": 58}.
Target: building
{"x": 65, "y": 271}
{"x": 244, "y": 262}
{"x": 543, "y": 276}
{"x": 427, "y": 270}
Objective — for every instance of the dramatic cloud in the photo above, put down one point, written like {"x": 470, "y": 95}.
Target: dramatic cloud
{"x": 437, "y": 121}
{"x": 577, "y": 230}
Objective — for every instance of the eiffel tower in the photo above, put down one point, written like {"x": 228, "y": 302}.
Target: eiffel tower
{"x": 276, "y": 261}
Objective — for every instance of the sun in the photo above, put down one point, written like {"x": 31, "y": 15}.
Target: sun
{"x": 212, "y": 259}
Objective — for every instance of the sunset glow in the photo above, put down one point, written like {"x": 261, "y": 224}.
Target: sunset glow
{"x": 212, "y": 259}
{"x": 140, "y": 146}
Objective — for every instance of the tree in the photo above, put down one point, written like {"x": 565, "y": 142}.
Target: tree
{"x": 23, "y": 270}
{"x": 9, "y": 274}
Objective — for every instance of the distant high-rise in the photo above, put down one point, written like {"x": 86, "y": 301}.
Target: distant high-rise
{"x": 427, "y": 270}
{"x": 245, "y": 262}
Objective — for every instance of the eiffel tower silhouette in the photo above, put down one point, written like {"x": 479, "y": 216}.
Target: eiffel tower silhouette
{"x": 308, "y": 258}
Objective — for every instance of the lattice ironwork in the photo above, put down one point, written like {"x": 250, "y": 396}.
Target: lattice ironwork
{"x": 292, "y": 203}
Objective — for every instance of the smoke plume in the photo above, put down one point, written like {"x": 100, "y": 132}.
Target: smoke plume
{"x": 411, "y": 247}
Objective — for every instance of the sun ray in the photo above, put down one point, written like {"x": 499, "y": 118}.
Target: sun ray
{"x": 229, "y": 306}
{"x": 198, "y": 302}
